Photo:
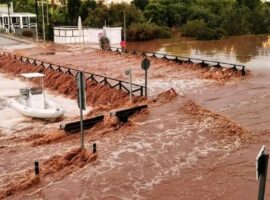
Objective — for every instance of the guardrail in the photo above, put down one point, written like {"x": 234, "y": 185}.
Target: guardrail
{"x": 111, "y": 82}
{"x": 182, "y": 59}
{"x": 74, "y": 127}
{"x": 124, "y": 114}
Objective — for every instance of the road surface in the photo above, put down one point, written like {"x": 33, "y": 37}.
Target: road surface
{"x": 9, "y": 44}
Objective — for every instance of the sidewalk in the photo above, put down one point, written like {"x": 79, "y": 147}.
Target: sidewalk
{"x": 11, "y": 37}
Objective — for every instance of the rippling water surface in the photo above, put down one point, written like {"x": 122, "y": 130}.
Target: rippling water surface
{"x": 252, "y": 51}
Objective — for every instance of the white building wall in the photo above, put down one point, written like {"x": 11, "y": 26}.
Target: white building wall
{"x": 92, "y": 35}
{"x": 66, "y": 35}
{"x": 114, "y": 35}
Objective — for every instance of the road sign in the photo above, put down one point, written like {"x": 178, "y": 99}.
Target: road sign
{"x": 261, "y": 171}
{"x": 82, "y": 99}
{"x": 80, "y": 80}
{"x": 145, "y": 64}
{"x": 259, "y": 162}
{"x": 81, "y": 84}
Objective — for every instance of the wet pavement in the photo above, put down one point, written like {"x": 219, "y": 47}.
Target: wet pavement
{"x": 8, "y": 43}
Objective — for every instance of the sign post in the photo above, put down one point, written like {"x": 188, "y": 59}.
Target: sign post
{"x": 145, "y": 66}
{"x": 81, "y": 84}
{"x": 261, "y": 171}
{"x": 129, "y": 72}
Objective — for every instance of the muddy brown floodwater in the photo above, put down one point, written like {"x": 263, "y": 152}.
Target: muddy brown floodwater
{"x": 196, "y": 141}
{"x": 250, "y": 50}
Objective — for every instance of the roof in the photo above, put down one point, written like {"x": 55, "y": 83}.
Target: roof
{"x": 32, "y": 75}
{"x": 5, "y": 14}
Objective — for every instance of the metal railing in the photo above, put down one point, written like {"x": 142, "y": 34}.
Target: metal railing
{"x": 99, "y": 79}
{"x": 182, "y": 59}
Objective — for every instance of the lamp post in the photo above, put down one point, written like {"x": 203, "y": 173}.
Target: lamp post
{"x": 43, "y": 21}
{"x": 9, "y": 20}
{"x": 125, "y": 28}
{"x": 36, "y": 5}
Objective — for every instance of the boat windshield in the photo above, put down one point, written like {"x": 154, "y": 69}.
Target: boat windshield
{"x": 34, "y": 82}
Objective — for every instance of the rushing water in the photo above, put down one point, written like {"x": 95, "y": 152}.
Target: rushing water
{"x": 170, "y": 155}
{"x": 250, "y": 50}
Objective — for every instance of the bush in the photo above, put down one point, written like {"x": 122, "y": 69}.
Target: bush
{"x": 2, "y": 30}
{"x": 27, "y": 33}
{"x": 147, "y": 31}
{"x": 104, "y": 43}
{"x": 210, "y": 34}
{"x": 193, "y": 28}
{"x": 200, "y": 30}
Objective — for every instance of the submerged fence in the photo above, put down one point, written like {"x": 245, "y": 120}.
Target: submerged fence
{"x": 99, "y": 79}
{"x": 182, "y": 59}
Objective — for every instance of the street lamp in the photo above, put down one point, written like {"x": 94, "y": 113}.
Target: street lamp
{"x": 9, "y": 22}
{"x": 43, "y": 21}
{"x": 36, "y": 20}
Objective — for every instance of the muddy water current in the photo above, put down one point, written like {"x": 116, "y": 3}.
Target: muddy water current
{"x": 161, "y": 148}
{"x": 169, "y": 154}
{"x": 245, "y": 101}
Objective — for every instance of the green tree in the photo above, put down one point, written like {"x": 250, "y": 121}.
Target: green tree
{"x": 73, "y": 8}
{"x": 86, "y": 6}
{"x": 141, "y": 4}
{"x": 97, "y": 17}
{"x": 251, "y": 4}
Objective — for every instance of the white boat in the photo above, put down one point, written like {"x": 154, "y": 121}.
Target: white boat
{"x": 32, "y": 101}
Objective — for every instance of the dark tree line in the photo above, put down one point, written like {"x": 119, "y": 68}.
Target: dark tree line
{"x": 148, "y": 19}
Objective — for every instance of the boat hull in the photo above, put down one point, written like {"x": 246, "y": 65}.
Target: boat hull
{"x": 50, "y": 112}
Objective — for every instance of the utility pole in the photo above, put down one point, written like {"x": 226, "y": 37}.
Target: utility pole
{"x": 47, "y": 17}
{"x": 125, "y": 31}
{"x": 52, "y": 4}
{"x": 36, "y": 20}
{"x": 9, "y": 22}
{"x": 43, "y": 22}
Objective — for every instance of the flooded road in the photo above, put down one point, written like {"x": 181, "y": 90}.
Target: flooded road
{"x": 250, "y": 50}
{"x": 10, "y": 43}
{"x": 164, "y": 145}
{"x": 176, "y": 151}
{"x": 246, "y": 101}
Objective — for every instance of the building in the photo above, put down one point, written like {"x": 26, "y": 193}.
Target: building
{"x": 13, "y": 22}
{"x": 63, "y": 2}
{"x": 117, "y": 1}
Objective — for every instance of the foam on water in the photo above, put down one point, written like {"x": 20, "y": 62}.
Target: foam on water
{"x": 181, "y": 86}
{"x": 143, "y": 160}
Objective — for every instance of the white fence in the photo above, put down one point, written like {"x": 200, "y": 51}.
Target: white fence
{"x": 68, "y": 35}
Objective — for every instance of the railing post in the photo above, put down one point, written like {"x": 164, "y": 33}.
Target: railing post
{"x": 120, "y": 85}
{"x": 243, "y": 71}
